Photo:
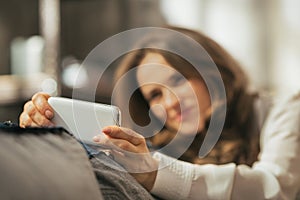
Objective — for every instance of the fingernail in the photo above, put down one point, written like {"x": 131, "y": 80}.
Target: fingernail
{"x": 49, "y": 114}
{"x": 106, "y": 130}
{"x": 96, "y": 139}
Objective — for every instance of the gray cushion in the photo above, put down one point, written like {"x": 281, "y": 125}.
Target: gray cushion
{"x": 44, "y": 164}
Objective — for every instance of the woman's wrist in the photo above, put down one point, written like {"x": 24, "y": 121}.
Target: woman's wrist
{"x": 147, "y": 179}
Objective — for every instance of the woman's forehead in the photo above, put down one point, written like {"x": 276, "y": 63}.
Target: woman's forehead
{"x": 152, "y": 57}
{"x": 154, "y": 68}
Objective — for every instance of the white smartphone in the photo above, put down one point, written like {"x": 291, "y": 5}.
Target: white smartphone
{"x": 82, "y": 118}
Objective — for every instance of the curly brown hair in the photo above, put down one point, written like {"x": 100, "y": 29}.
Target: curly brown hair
{"x": 238, "y": 141}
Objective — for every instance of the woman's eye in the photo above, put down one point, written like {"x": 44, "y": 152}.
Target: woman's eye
{"x": 178, "y": 80}
{"x": 154, "y": 95}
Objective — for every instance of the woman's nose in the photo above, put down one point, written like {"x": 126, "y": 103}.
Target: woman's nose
{"x": 170, "y": 99}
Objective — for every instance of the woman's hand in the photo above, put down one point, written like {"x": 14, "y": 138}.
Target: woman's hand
{"x": 129, "y": 149}
{"x": 37, "y": 112}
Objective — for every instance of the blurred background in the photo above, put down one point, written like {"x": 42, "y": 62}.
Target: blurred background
{"x": 43, "y": 42}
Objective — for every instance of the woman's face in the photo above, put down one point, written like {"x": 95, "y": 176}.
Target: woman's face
{"x": 185, "y": 102}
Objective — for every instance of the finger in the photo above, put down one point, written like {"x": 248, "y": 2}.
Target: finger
{"x": 40, "y": 100}
{"x": 22, "y": 119}
{"x": 41, "y": 120}
{"x": 117, "y": 144}
{"x": 26, "y": 121}
{"x": 35, "y": 116}
{"x": 124, "y": 134}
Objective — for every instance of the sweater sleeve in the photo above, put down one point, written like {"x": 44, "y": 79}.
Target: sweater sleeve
{"x": 276, "y": 174}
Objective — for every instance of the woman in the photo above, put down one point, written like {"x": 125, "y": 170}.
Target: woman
{"x": 165, "y": 80}
{"x": 238, "y": 143}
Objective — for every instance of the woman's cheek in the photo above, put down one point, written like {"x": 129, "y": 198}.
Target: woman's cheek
{"x": 159, "y": 111}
